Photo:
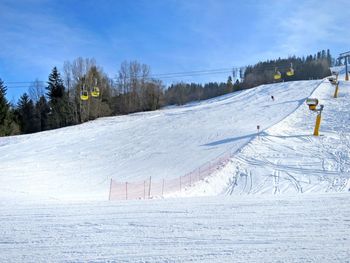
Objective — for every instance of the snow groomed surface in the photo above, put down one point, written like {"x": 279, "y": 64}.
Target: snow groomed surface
{"x": 299, "y": 228}
{"x": 76, "y": 163}
{"x": 39, "y": 222}
{"x": 287, "y": 158}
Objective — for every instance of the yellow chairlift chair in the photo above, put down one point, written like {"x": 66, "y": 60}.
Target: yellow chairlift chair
{"x": 84, "y": 95}
{"x": 277, "y": 75}
{"x": 95, "y": 92}
{"x": 290, "y": 72}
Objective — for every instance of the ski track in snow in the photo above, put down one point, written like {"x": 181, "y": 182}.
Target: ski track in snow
{"x": 76, "y": 163}
{"x": 258, "y": 218}
{"x": 299, "y": 228}
{"x": 287, "y": 158}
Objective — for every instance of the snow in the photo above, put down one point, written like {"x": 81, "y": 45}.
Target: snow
{"x": 76, "y": 163}
{"x": 283, "y": 197}
{"x": 287, "y": 158}
{"x": 298, "y": 228}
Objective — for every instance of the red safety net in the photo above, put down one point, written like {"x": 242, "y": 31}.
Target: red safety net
{"x": 149, "y": 188}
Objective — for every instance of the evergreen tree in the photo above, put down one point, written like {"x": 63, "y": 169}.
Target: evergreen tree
{"x": 58, "y": 102}
{"x": 229, "y": 84}
{"x": 237, "y": 85}
{"x": 7, "y": 124}
{"x": 55, "y": 86}
{"x": 26, "y": 114}
{"x": 4, "y": 106}
{"x": 329, "y": 58}
{"x": 42, "y": 111}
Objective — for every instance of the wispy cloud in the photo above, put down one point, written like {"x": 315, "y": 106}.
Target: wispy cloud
{"x": 36, "y": 37}
{"x": 306, "y": 26}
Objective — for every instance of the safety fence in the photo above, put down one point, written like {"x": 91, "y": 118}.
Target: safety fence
{"x": 148, "y": 189}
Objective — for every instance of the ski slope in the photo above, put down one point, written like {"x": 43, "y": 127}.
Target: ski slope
{"x": 282, "y": 228}
{"x": 259, "y": 214}
{"x": 76, "y": 163}
{"x": 287, "y": 158}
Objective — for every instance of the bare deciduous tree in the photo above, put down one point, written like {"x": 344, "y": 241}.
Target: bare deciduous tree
{"x": 36, "y": 90}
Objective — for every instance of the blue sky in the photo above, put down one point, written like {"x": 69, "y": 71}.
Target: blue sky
{"x": 168, "y": 35}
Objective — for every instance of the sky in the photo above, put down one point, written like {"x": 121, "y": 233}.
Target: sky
{"x": 168, "y": 35}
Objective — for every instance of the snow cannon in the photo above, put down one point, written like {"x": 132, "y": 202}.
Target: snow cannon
{"x": 312, "y": 103}
{"x": 333, "y": 80}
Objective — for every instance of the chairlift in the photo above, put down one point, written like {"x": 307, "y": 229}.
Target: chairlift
{"x": 84, "y": 95}
{"x": 95, "y": 92}
{"x": 290, "y": 72}
{"x": 277, "y": 75}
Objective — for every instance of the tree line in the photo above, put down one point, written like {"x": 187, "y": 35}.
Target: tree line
{"x": 305, "y": 68}
{"x": 59, "y": 104}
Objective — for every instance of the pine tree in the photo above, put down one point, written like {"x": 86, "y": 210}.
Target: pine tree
{"x": 26, "y": 115}
{"x": 236, "y": 86}
{"x": 57, "y": 100}
{"x": 8, "y": 126}
{"x": 55, "y": 86}
{"x": 329, "y": 58}
{"x": 4, "y": 106}
{"x": 229, "y": 84}
{"x": 42, "y": 110}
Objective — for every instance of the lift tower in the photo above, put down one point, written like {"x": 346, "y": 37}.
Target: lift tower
{"x": 346, "y": 57}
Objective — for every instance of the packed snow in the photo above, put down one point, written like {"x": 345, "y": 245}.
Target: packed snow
{"x": 283, "y": 197}
{"x": 76, "y": 163}
{"x": 287, "y": 158}
{"x": 282, "y": 228}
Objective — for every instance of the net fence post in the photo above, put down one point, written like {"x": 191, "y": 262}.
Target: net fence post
{"x": 149, "y": 188}
{"x": 126, "y": 190}
{"x": 110, "y": 190}
{"x": 163, "y": 188}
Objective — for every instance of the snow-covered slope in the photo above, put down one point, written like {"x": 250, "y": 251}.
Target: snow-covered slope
{"x": 287, "y": 158}
{"x": 298, "y": 228}
{"x": 77, "y": 162}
